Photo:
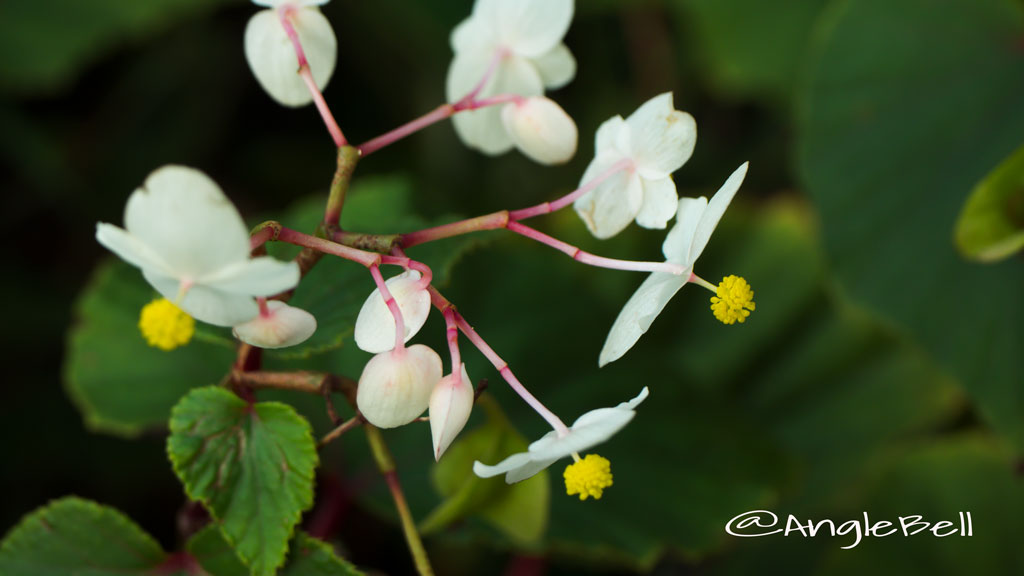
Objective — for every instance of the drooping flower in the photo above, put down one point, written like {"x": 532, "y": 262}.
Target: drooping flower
{"x": 375, "y": 326}
{"x": 271, "y": 54}
{"x": 522, "y": 40}
{"x": 395, "y": 387}
{"x": 450, "y": 405}
{"x": 541, "y": 129}
{"x": 587, "y": 476}
{"x": 280, "y": 327}
{"x": 193, "y": 247}
{"x": 683, "y": 245}
{"x": 656, "y": 140}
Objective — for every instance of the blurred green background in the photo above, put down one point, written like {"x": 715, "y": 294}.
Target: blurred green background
{"x": 882, "y": 371}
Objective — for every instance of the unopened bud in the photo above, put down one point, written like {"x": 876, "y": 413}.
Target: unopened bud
{"x": 541, "y": 129}
{"x": 395, "y": 386}
{"x": 272, "y": 57}
{"x": 450, "y": 405}
{"x": 283, "y": 326}
{"x": 375, "y": 325}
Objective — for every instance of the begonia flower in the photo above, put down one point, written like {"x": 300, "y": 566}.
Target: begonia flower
{"x": 395, "y": 387}
{"x": 193, "y": 248}
{"x": 280, "y": 327}
{"x": 450, "y": 405}
{"x": 541, "y": 130}
{"x": 375, "y": 325}
{"x": 656, "y": 140}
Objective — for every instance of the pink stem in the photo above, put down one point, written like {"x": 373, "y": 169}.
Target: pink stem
{"x": 492, "y": 67}
{"x": 442, "y": 304}
{"x": 367, "y": 259}
{"x": 264, "y": 310}
{"x": 283, "y": 14}
{"x": 452, "y": 333}
{"x": 548, "y": 207}
{"x": 392, "y": 305}
{"x": 592, "y": 260}
{"x": 261, "y": 237}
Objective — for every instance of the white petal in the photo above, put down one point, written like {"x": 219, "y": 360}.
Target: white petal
{"x": 483, "y": 129}
{"x": 394, "y": 389}
{"x": 638, "y": 314}
{"x": 272, "y": 57}
{"x": 679, "y": 239}
{"x": 588, "y": 430}
{"x": 528, "y": 27}
{"x": 450, "y": 405}
{"x": 529, "y": 470}
{"x": 557, "y": 67}
{"x": 609, "y": 134}
{"x": 660, "y": 203}
{"x": 472, "y": 34}
{"x": 662, "y": 137}
{"x": 716, "y": 208}
{"x": 204, "y": 303}
{"x": 263, "y": 276}
{"x": 184, "y": 218}
{"x": 610, "y": 207}
{"x": 541, "y": 129}
{"x": 130, "y": 248}
{"x": 276, "y": 3}
{"x": 285, "y": 326}
{"x": 518, "y": 460}
{"x": 375, "y": 326}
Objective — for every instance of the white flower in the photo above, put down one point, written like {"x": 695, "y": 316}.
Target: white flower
{"x": 375, "y": 325}
{"x": 282, "y": 327}
{"x": 683, "y": 245}
{"x": 541, "y": 129}
{"x": 527, "y": 37}
{"x": 656, "y": 140}
{"x": 588, "y": 430}
{"x": 450, "y": 405}
{"x": 193, "y": 247}
{"x": 395, "y": 387}
{"x": 272, "y": 57}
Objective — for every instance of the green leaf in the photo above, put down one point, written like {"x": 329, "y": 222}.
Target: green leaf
{"x": 750, "y": 47}
{"x": 335, "y": 290}
{"x": 120, "y": 384}
{"x": 51, "y": 49}
{"x": 907, "y": 105}
{"x": 991, "y": 225}
{"x": 251, "y": 465}
{"x": 306, "y": 557}
{"x": 75, "y": 536}
{"x": 519, "y": 511}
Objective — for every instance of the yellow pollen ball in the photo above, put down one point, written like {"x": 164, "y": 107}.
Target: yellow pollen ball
{"x": 734, "y": 302}
{"x": 165, "y": 326}
{"x": 588, "y": 477}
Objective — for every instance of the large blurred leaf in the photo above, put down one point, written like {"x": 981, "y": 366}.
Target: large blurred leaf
{"x": 907, "y": 105}
{"x": 335, "y": 290}
{"x": 306, "y": 557}
{"x": 53, "y": 38}
{"x": 937, "y": 482}
{"x": 750, "y": 47}
{"x": 119, "y": 383}
{"x": 75, "y": 536}
{"x": 991, "y": 225}
{"x": 250, "y": 464}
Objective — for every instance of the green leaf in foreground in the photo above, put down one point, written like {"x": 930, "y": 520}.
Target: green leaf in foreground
{"x": 251, "y": 465}
{"x": 991, "y": 226}
{"x": 119, "y": 383}
{"x": 307, "y": 557}
{"x": 519, "y": 511}
{"x": 75, "y": 536}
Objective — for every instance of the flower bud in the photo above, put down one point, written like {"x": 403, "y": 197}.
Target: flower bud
{"x": 272, "y": 56}
{"x": 541, "y": 130}
{"x": 284, "y": 326}
{"x": 450, "y": 405}
{"x": 375, "y": 326}
{"x": 395, "y": 387}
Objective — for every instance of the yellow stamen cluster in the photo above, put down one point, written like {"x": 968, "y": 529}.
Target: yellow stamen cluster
{"x": 734, "y": 302}
{"x": 588, "y": 477}
{"x": 165, "y": 326}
